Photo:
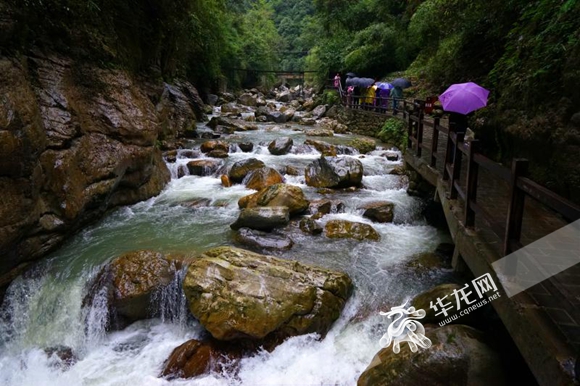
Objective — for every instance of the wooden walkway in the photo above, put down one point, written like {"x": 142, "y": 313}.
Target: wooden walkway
{"x": 493, "y": 211}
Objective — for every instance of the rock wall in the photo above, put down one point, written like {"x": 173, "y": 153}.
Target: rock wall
{"x": 361, "y": 122}
{"x": 75, "y": 141}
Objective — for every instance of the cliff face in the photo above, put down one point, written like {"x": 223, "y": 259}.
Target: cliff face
{"x": 75, "y": 141}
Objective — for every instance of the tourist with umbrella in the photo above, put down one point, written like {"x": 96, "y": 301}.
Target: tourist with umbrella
{"x": 461, "y": 99}
{"x": 397, "y": 92}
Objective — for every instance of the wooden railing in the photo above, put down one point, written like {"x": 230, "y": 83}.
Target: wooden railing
{"x": 458, "y": 147}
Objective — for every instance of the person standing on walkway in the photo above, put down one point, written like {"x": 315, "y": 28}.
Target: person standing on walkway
{"x": 396, "y": 93}
{"x": 337, "y": 81}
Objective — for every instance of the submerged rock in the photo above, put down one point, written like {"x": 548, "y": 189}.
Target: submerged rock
{"x": 286, "y": 195}
{"x": 310, "y": 226}
{"x": 342, "y": 229}
{"x": 262, "y": 218}
{"x": 240, "y": 169}
{"x": 382, "y": 211}
{"x": 281, "y": 146}
{"x": 262, "y": 178}
{"x": 246, "y": 147}
{"x": 325, "y": 148}
{"x": 194, "y": 358}
{"x": 240, "y": 295}
{"x": 64, "y": 355}
{"x": 334, "y": 172}
{"x": 458, "y": 356}
{"x": 263, "y": 240}
{"x": 225, "y": 181}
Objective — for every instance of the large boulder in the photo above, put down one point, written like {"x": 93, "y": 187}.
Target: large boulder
{"x": 334, "y": 172}
{"x": 382, "y": 211}
{"x": 262, "y": 178}
{"x": 240, "y": 169}
{"x": 231, "y": 108}
{"x": 240, "y": 295}
{"x": 276, "y": 116}
{"x": 131, "y": 282}
{"x": 262, "y": 240}
{"x": 284, "y": 96}
{"x": 319, "y": 111}
{"x": 458, "y": 356}
{"x": 204, "y": 167}
{"x": 286, "y": 195}
{"x": 318, "y": 132}
{"x": 280, "y": 146}
{"x": 343, "y": 229}
{"x": 246, "y": 147}
{"x": 262, "y": 218}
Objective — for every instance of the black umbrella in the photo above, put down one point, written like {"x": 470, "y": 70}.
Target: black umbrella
{"x": 360, "y": 82}
{"x": 350, "y": 74}
{"x": 401, "y": 82}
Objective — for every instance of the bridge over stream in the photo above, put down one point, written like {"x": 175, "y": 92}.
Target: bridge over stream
{"x": 493, "y": 210}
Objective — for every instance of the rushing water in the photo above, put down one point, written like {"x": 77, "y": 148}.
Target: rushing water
{"x": 43, "y": 308}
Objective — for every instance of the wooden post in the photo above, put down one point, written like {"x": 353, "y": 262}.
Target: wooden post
{"x": 448, "y": 152}
{"x": 435, "y": 142}
{"x": 471, "y": 192}
{"x": 420, "y": 105}
{"x": 410, "y": 123}
{"x": 456, "y": 166}
{"x": 516, "y": 207}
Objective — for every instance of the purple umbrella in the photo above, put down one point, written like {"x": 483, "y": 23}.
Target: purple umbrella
{"x": 464, "y": 98}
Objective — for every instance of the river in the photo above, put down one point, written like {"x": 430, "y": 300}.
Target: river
{"x": 43, "y": 308}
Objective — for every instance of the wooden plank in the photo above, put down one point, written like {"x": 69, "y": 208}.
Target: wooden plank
{"x": 471, "y": 192}
{"x": 566, "y": 208}
{"x": 484, "y": 214}
{"x": 434, "y": 143}
{"x": 495, "y": 168}
{"x": 456, "y": 165}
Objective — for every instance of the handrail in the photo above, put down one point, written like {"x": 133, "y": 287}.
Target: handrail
{"x": 520, "y": 185}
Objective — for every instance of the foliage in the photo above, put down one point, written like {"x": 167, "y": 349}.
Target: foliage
{"x": 394, "y": 132}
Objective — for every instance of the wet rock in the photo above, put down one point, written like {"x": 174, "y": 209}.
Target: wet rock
{"x": 218, "y": 153}
{"x": 286, "y": 195}
{"x": 319, "y": 112}
{"x": 325, "y": 148}
{"x": 259, "y": 179}
{"x": 291, "y": 171}
{"x": 310, "y": 226}
{"x": 246, "y": 147}
{"x": 262, "y": 218}
{"x": 230, "y": 108}
{"x": 203, "y": 167}
{"x": 241, "y": 169}
{"x": 334, "y": 172}
{"x": 248, "y": 99}
{"x": 333, "y": 125}
{"x": 212, "y": 99}
{"x": 425, "y": 263}
{"x": 131, "y": 281}
{"x": 227, "y": 125}
{"x": 284, "y": 96}
{"x": 423, "y": 301}
{"x": 289, "y": 114}
{"x": 263, "y": 240}
{"x": 399, "y": 170}
{"x": 196, "y": 203}
{"x": 194, "y": 358}
{"x": 64, "y": 355}
{"x": 319, "y": 132}
{"x": 382, "y": 211}
{"x": 445, "y": 251}
{"x": 226, "y": 181}
{"x": 306, "y": 121}
{"x": 308, "y": 104}
{"x": 279, "y": 298}
{"x": 181, "y": 171}
{"x": 276, "y": 116}
{"x": 280, "y": 146}
{"x": 363, "y": 145}
{"x": 320, "y": 206}
{"x": 390, "y": 156}
{"x": 342, "y": 229}
{"x": 458, "y": 356}
{"x": 212, "y": 145}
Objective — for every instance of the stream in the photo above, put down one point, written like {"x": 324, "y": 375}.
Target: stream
{"x": 43, "y": 308}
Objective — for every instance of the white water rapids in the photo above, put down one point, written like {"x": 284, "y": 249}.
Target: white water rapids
{"x": 43, "y": 308}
